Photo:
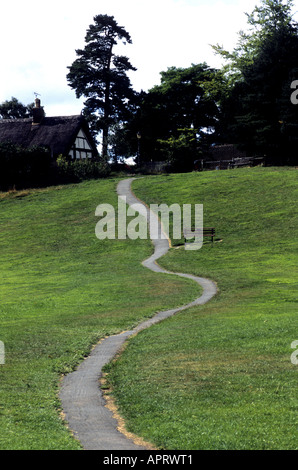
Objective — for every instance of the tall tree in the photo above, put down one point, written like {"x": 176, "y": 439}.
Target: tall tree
{"x": 256, "y": 114}
{"x": 176, "y": 115}
{"x": 264, "y": 21}
{"x": 101, "y": 76}
{"x": 14, "y": 109}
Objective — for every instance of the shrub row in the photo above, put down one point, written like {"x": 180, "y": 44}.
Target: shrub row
{"x": 22, "y": 168}
{"x": 72, "y": 171}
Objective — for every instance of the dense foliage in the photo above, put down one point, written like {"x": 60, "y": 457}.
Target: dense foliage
{"x": 14, "y": 109}
{"x": 246, "y": 103}
{"x": 257, "y": 113}
{"x": 33, "y": 167}
{"x": 177, "y": 116}
{"x": 22, "y": 167}
{"x": 74, "y": 171}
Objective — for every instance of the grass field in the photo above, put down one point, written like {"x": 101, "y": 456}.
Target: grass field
{"x": 220, "y": 376}
{"x": 62, "y": 290}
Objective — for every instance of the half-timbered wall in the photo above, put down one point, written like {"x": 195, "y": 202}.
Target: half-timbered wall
{"x": 81, "y": 149}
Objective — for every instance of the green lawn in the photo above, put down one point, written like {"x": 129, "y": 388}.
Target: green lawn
{"x": 220, "y": 376}
{"x": 62, "y": 290}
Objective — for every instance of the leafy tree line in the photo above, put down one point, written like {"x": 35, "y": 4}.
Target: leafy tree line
{"x": 247, "y": 102}
{"x": 170, "y": 118}
{"x": 256, "y": 109}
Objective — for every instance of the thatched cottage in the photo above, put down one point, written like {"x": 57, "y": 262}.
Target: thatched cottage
{"x": 63, "y": 135}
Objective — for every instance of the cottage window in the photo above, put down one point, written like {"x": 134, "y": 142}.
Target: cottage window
{"x": 81, "y": 149}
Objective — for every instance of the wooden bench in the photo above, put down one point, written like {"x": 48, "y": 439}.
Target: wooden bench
{"x": 192, "y": 232}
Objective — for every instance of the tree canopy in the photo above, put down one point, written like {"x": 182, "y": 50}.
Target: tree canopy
{"x": 174, "y": 117}
{"x": 246, "y": 102}
{"x": 257, "y": 112}
{"x": 267, "y": 18}
{"x": 14, "y": 109}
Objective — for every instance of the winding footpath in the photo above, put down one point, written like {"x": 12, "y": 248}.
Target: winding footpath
{"x": 90, "y": 421}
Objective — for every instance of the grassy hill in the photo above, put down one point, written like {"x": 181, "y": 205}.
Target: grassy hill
{"x": 212, "y": 377}
{"x": 62, "y": 290}
{"x": 220, "y": 376}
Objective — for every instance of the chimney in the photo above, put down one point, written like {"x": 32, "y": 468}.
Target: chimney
{"x": 37, "y": 112}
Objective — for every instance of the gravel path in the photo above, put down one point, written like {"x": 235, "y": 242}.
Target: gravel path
{"x": 91, "y": 422}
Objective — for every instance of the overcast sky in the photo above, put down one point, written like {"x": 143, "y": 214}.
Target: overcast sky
{"x": 38, "y": 41}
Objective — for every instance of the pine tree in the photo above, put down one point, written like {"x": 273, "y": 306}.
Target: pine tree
{"x": 101, "y": 76}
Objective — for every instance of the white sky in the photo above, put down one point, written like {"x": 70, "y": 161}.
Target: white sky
{"x": 38, "y": 41}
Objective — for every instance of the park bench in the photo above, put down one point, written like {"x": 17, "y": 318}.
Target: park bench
{"x": 192, "y": 232}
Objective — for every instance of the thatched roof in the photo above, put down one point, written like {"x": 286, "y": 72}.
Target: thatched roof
{"x": 56, "y": 133}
